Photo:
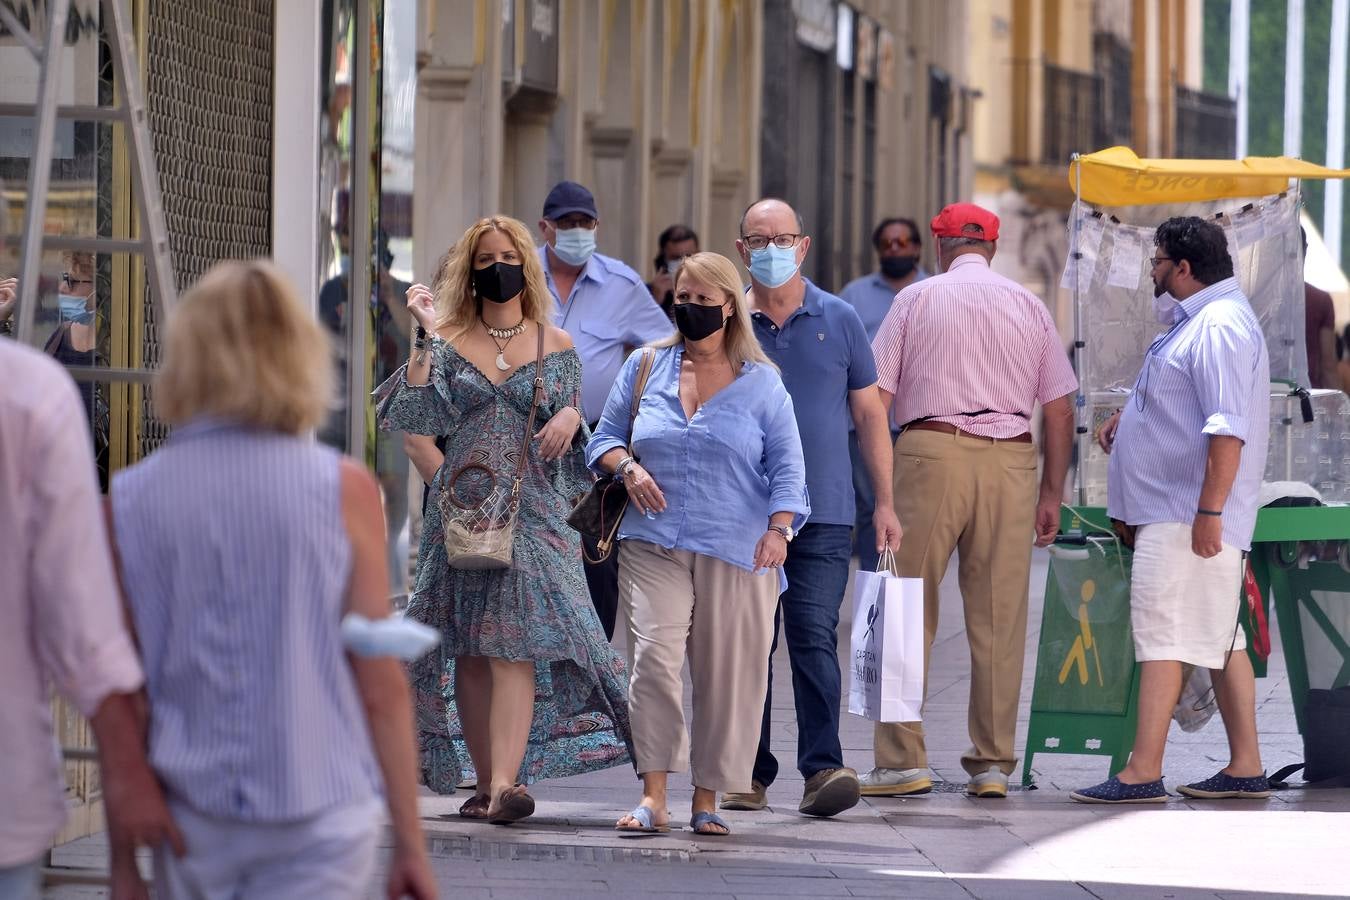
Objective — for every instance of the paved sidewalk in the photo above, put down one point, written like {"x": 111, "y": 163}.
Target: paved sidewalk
{"x": 1034, "y": 844}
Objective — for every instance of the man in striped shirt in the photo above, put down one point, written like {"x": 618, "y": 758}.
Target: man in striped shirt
{"x": 1189, "y": 452}
{"x": 963, "y": 358}
{"x": 63, "y": 630}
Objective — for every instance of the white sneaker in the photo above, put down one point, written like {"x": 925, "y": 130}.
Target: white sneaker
{"x": 895, "y": 782}
{"x": 993, "y": 783}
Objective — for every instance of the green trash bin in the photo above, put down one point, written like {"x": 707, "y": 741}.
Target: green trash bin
{"x": 1083, "y": 701}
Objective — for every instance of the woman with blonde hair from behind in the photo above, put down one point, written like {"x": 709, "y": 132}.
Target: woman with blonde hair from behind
{"x": 242, "y": 543}
{"x": 714, "y": 471}
{"x": 524, "y": 685}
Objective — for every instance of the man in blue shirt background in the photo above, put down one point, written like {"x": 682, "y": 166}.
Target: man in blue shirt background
{"x": 819, "y": 343}
{"x": 604, "y": 305}
{"x": 897, "y": 243}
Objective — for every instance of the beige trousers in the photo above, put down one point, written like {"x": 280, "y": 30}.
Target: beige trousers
{"x": 976, "y": 496}
{"x": 720, "y": 616}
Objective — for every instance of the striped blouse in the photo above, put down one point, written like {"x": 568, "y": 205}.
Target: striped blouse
{"x": 235, "y": 562}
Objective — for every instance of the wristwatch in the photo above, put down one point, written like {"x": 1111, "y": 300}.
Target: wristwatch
{"x": 785, "y": 530}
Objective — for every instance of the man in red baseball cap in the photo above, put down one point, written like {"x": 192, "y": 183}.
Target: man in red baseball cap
{"x": 965, "y": 220}
{"x": 963, "y": 359}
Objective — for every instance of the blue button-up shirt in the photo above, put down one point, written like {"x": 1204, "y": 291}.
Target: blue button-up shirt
{"x": 1209, "y": 374}
{"x": 608, "y": 312}
{"x": 871, "y": 297}
{"x": 823, "y": 353}
{"x": 723, "y": 472}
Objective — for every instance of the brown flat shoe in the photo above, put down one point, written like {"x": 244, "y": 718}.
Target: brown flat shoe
{"x": 476, "y": 807}
{"x": 512, "y": 807}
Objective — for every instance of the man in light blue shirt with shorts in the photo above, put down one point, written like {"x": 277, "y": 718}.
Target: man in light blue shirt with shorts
{"x": 1187, "y": 455}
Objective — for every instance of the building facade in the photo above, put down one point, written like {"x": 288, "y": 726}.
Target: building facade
{"x": 353, "y": 140}
{"x": 685, "y": 111}
{"x": 1073, "y": 76}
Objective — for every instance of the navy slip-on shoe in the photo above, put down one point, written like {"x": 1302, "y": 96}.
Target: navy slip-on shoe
{"x": 1223, "y": 786}
{"x": 1113, "y": 790}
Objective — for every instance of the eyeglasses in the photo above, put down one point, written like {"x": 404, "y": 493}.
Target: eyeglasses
{"x": 896, "y": 244}
{"x": 1157, "y": 259}
{"x": 760, "y": 241}
{"x": 65, "y": 276}
{"x": 575, "y": 221}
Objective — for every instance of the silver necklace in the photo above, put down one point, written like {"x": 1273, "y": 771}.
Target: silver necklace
{"x": 501, "y": 337}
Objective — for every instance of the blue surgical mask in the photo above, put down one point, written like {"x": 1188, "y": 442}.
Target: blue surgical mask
{"x": 345, "y": 264}
{"x": 773, "y": 266}
{"x": 1165, "y": 308}
{"x": 74, "y": 309}
{"x": 574, "y": 245}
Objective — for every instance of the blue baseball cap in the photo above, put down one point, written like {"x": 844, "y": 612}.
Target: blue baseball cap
{"x": 569, "y": 197}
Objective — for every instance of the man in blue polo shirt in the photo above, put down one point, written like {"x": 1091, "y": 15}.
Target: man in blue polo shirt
{"x": 820, "y": 345}
{"x": 898, "y": 245}
{"x": 604, "y": 305}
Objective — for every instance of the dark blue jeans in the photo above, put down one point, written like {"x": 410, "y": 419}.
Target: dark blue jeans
{"x": 864, "y": 535}
{"x": 817, "y": 573}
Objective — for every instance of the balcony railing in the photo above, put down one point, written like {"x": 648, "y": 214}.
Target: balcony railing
{"x": 1074, "y": 102}
{"x": 1206, "y": 125}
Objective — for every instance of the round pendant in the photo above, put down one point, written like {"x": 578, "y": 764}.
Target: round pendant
{"x": 502, "y": 363}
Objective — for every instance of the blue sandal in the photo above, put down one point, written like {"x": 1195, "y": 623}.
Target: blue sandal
{"x": 700, "y": 819}
{"x": 643, "y": 815}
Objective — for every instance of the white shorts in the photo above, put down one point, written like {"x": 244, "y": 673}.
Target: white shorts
{"x": 1183, "y": 607}
{"x": 331, "y": 855}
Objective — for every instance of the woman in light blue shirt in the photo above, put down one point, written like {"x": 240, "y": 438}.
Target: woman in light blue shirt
{"x": 717, "y": 495}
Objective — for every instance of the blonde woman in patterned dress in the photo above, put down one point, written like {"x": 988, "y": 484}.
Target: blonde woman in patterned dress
{"x": 524, "y": 682}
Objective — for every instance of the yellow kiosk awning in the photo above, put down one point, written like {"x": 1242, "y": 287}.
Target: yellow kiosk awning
{"x": 1116, "y": 177}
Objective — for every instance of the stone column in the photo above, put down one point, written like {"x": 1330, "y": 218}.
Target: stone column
{"x": 458, "y": 123}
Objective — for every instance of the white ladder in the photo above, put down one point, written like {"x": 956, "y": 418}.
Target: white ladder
{"x": 153, "y": 244}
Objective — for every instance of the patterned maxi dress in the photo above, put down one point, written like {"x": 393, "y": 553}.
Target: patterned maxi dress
{"x": 539, "y": 609}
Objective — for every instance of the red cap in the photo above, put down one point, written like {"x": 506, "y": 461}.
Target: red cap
{"x": 965, "y": 220}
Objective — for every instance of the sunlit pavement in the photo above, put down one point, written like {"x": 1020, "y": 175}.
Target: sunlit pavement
{"x": 1034, "y": 844}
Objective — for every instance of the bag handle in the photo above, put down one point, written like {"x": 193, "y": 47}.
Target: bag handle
{"x": 886, "y": 562}
{"x": 534, "y": 410}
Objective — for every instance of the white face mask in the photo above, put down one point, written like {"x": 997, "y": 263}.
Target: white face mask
{"x": 673, "y": 266}
{"x": 1165, "y": 308}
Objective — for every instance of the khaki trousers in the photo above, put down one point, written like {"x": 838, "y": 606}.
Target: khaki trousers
{"x": 976, "y": 496}
{"x": 720, "y": 616}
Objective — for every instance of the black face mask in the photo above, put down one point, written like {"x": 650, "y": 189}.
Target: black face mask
{"x": 897, "y": 266}
{"x": 499, "y": 282}
{"x": 696, "y": 321}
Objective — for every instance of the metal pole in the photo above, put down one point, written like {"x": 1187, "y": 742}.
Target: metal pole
{"x": 1239, "y": 34}
{"x": 1079, "y": 345}
{"x": 145, "y": 175}
{"x": 1331, "y": 221}
{"x": 40, "y": 168}
{"x": 358, "y": 301}
{"x": 1293, "y": 80}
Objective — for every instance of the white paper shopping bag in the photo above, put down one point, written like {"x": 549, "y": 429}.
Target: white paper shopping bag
{"x": 887, "y": 647}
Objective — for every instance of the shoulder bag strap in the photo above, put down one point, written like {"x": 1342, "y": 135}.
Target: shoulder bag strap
{"x": 534, "y": 409}
{"x": 639, "y": 388}
{"x": 640, "y": 385}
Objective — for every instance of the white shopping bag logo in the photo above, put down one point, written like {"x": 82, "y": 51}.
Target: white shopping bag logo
{"x": 886, "y": 682}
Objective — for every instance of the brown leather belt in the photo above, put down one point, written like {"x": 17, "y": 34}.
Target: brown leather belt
{"x": 947, "y": 428}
